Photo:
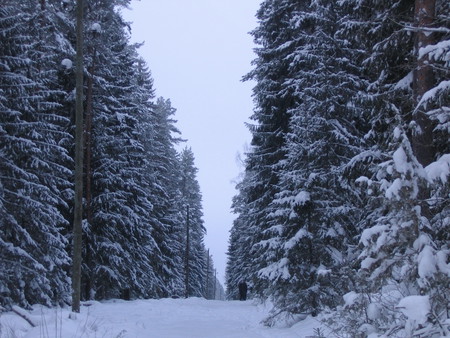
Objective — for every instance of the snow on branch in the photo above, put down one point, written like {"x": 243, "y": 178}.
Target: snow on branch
{"x": 439, "y": 169}
{"x": 433, "y": 92}
{"x": 415, "y": 308}
{"x": 439, "y": 51}
{"x": 410, "y": 28}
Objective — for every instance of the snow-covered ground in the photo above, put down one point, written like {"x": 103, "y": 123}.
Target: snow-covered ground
{"x": 164, "y": 318}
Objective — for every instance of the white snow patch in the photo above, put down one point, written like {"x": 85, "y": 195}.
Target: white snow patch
{"x": 441, "y": 261}
{"x": 401, "y": 161}
{"x": 68, "y": 64}
{"x": 427, "y": 262}
{"x": 364, "y": 179}
{"x": 441, "y": 50}
{"x": 421, "y": 241}
{"x": 397, "y": 133}
{"x": 121, "y": 117}
{"x": 394, "y": 189}
{"x": 367, "y": 262}
{"x": 96, "y": 28}
{"x": 322, "y": 271}
{"x": 277, "y": 270}
{"x": 415, "y": 308}
{"x": 433, "y": 92}
{"x": 373, "y": 311}
{"x": 350, "y": 298}
{"x": 297, "y": 237}
{"x": 369, "y": 233}
{"x": 368, "y": 330}
{"x": 439, "y": 169}
{"x": 302, "y": 197}
{"x": 405, "y": 83}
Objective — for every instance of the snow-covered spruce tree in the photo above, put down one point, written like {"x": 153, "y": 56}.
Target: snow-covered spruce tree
{"x": 240, "y": 258}
{"x": 404, "y": 258}
{"x": 118, "y": 239}
{"x": 160, "y": 161}
{"x": 317, "y": 209}
{"x": 272, "y": 102}
{"x": 212, "y": 289}
{"x": 165, "y": 195}
{"x": 193, "y": 249}
{"x": 33, "y": 179}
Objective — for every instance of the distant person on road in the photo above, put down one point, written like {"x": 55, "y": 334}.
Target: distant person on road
{"x": 243, "y": 290}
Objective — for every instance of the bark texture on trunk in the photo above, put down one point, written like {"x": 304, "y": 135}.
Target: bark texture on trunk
{"x": 78, "y": 202}
{"x": 422, "y": 139}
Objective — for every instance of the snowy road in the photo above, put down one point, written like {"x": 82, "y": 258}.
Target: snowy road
{"x": 165, "y": 318}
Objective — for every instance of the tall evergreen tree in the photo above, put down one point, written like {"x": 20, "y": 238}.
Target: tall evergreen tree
{"x": 193, "y": 248}
{"x": 316, "y": 208}
{"x": 118, "y": 238}
{"x": 273, "y": 100}
{"x": 167, "y": 220}
{"x": 240, "y": 258}
{"x": 34, "y": 181}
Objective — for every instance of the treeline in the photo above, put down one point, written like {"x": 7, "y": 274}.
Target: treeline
{"x": 138, "y": 188}
{"x": 345, "y": 194}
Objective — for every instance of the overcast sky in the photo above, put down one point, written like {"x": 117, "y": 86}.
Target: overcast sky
{"x": 198, "y": 51}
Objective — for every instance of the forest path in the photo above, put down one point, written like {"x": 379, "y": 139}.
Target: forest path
{"x": 164, "y": 318}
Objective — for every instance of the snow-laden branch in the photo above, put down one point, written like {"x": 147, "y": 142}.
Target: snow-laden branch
{"x": 433, "y": 92}
{"x": 416, "y": 29}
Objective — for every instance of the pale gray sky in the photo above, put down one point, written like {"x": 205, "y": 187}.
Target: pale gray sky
{"x": 198, "y": 51}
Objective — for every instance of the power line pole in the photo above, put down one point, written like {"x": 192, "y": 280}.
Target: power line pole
{"x": 78, "y": 202}
{"x": 186, "y": 280}
{"x": 215, "y": 282}
{"x": 207, "y": 275}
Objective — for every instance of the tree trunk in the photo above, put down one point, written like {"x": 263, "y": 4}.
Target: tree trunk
{"x": 186, "y": 280}
{"x": 88, "y": 157}
{"x": 78, "y": 203}
{"x": 422, "y": 139}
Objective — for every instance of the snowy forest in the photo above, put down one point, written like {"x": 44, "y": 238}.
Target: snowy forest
{"x": 343, "y": 208}
{"x": 342, "y": 211}
{"x": 142, "y": 222}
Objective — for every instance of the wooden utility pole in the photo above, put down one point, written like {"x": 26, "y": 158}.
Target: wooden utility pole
{"x": 215, "y": 282}
{"x": 186, "y": 280}
{"x": 88, "y": 160}
{"x": 423, "y": 80}
{"x": 207, "y": 275}
{"x": 78, "y": 202}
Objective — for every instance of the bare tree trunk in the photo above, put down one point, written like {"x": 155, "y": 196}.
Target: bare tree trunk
{"x": 422, "y": 139}
{"x": 78, "y": 203}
